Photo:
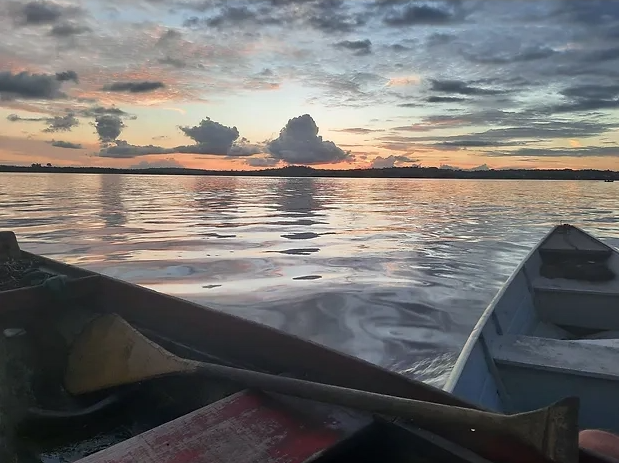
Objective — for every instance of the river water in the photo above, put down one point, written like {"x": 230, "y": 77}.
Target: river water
{"x": 395, "y": 271}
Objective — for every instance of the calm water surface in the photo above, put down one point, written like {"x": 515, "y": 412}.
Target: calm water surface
{"x": 395, "y": 271}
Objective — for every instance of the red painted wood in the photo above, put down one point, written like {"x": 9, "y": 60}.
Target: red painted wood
{"x": 245, "y": 427}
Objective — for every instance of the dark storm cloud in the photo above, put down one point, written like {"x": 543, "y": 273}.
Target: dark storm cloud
{"x": 65, "y": 144}
{"x": 108, "y": 127}
{"x": 299, "y": 143}
{"x": 359, "y": 47}
{"x": 29, "y": 86}
{"x": 66, "y": 76}
{"x": 134, "y": 87}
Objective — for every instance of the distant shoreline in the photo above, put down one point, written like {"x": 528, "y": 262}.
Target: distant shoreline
{"x": 303, "y": 171}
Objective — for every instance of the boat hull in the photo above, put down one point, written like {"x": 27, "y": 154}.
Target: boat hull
{"x": 549, "y": 333}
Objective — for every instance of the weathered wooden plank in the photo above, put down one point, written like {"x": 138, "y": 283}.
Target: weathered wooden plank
{"x": 562, "y": 356}
{"x": 245, "y": 427}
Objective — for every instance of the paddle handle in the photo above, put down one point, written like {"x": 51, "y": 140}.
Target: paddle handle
{"x": 420, "y": 412}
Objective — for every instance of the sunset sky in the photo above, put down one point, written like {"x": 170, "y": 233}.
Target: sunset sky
{"x": 242, "y": 84}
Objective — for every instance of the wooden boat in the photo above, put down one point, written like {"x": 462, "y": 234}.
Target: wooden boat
{"x": 551, "y": 331}
{"x": 47, "y": 306}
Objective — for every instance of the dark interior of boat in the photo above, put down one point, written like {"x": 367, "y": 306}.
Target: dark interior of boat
{"x": 41, "y": 422}
{"x": 574, "y": 256}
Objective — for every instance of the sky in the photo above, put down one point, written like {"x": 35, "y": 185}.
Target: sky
{"x": 247, "y": 84}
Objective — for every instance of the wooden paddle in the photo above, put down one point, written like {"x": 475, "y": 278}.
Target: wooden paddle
{"x": 109, "y": 352}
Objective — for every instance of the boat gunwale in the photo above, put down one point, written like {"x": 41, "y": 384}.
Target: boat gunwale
{"x": 394, "y": 381}
{"x": 471, "y": 342}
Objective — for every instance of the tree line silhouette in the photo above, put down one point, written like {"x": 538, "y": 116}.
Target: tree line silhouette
{"x": 305, "y": 171}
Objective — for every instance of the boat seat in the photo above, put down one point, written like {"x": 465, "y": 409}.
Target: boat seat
{"x": 250, "y": 426}
{"x": 574, "y": 357}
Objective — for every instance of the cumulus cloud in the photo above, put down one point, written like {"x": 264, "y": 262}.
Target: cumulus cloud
{"x": 210, "y": 137}
{"x": 133, "y": 87}
{"x": 108, "y": 127}
{"x": 299, "y": 143}
{"x": 380, "y": 162}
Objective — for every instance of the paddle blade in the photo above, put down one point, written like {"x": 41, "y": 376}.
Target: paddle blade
{"x": 109, "y": 352}
{"x": 552, "y": 430}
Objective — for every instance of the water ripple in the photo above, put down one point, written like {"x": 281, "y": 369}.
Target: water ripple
{"x": 395, "y": 271}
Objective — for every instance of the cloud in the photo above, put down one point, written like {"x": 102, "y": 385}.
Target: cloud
{"x": 108, "y": 127}
{"x": 597, "y": 151}
{"x": 413, "y": 15}
{"x": 210, "y": 137}
{"x": 299, "y": 143}
{"x": 29, "y": 86}
{"x": 101, "y": 111}
{"x": 68, "y": 30}
{"x": 62, "y": 123}
{"x": 41, "y": 12}
{"x": 262, "y": 162}
{"x": 380, "y": 162}
{"x": 444, "y": 99}
{"x": 65, "y": 144}
{"x": 359, "y": 47}
{"x": 55, "y": 124}
{"x": 67, "y": 75}
{"x": 461, "y": 88}
{"x": 161, "y": 163}
{"x": 133, "y": 87}
{"x": 123, "y": 149}
{"x": 358, "y": 130}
